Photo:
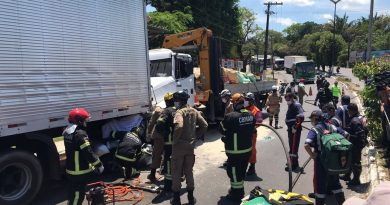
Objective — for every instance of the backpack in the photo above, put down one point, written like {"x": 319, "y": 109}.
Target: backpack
{"x": 336, "y": 151}
{"x": 259, "y": 196}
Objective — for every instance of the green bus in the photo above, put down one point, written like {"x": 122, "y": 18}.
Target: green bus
{"x": 305, "y": 70}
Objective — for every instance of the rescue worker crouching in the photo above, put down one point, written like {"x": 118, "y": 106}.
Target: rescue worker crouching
{"x": 322, "y": 182}
{"x": 249, "y": 104}
{"x": 165, "y": 127}
{"x": 238, "y": 128}
{"x": 294, "y": 119}
{"x": 128, "y": 152}
{"x": 82, "y": 164}
{"x": 273, "y": 106}
{"x": 188, "y": 126}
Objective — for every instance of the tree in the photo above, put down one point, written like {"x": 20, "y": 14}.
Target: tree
{"x": 166, "y": 23}
{"x": 247, "y": 42}
{"x": 219, "y": 16}
{"x": 297, "y": 31}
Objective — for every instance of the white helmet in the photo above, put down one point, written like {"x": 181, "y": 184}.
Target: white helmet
{"x": 225, "y": 93}
{"x": 274, "y": 87}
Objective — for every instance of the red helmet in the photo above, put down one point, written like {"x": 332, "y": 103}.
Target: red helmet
{"x": 78, "y": 115}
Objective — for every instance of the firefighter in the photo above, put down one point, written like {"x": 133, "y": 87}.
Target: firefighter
{"x": 188, "y": 126}
{"x": 294, "y": 118}
{"x": 324, "y": 95}
{"x": 273, "y": 106}
{"x": 128, "y": 151}
{"x": 319, "y": 82}
{"x": 82, "y": 164}
{"x": 291, "y": 89}
{"x": 342, "y": 111}
{"x": 330, "y": 115}
{"x": 158, "y": 143}
{"x": 301, "y": 91}
{"x": 226, "y": 97}
{"x": 249, "y": 104}
{"x": 322, "y": 182}
{"x": 336, "y": 93}
{"x": 238, "y": 128}
{"x": 164, "y": 126}
{"x": 358, "y": 138}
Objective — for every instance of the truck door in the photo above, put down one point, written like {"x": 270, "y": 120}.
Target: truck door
{"x": 184, "y": 76}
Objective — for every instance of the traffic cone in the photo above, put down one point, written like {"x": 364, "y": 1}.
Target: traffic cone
{"x": 310, "y": 92}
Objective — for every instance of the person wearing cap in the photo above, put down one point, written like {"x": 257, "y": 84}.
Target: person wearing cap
{"x": 249, "y": 104}
{"x": 342, "y": 111}
{"x": 291, "y": 89}
{"x": 226, "y": 96}
{"x": 324, "y": 95}
{"x": 322, "y": 183}
{"x": 164, "y": 127}
{"x": 237, "y": 128}
{"x": 273, "y": 106}
{"x": 380, "y": 195}
{"x": 358, "y": 138}
{"x": 294, "y": 119}
{"x": 301, "y": 91}
{"x": 188, "y": 125}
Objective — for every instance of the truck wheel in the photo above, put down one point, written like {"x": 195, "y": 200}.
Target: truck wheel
{"x": 20, "y": 176}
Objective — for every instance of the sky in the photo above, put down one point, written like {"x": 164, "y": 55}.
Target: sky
{"x": 319, "y": 11}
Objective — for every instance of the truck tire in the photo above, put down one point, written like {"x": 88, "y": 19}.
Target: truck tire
{"x": 21, "y": 177}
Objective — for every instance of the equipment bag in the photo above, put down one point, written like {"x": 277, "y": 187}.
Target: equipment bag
{"x": 336, "y": 151}
{"x": 278, "y": 197}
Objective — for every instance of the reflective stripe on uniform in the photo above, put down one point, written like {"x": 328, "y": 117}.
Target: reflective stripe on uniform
{"x": 125, "y": 158}
{"x": 86, "y": 144}
{"x": 96, "y": 162}
{"x": 235, "y": 147}
{"x": 222, "y": 126}
{"x": 76, "y": 161}
{"x": 290, "y": 120}
{"x": 113, "y": 134}
{"x": 169, "y": 139}
{"x": 234, "y": 174}
{"x": 80, "y": 172}
{"x": 76, "y": 198}
{"x": 322, "y": 196}
{"x": 237, "y": 185}
{"x": 337, "y": 191}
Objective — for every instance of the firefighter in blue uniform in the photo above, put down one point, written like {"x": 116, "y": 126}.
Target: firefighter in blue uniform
{"x": 294, "y": 119}
{"x": 238, "y": 127}
{"x": 358, "y": 137}
{"x": 82, "y": 164}
{"x": 342, "y": 111}
{"x": 322, "y": 182}
{"x": 165, "y": 127}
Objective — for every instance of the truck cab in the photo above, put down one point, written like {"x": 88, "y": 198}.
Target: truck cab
{"x": 170, "y": 72}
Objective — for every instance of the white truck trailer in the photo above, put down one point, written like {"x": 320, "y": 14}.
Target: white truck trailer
{"x": 290, "y": 60}
{"x": 57, "y": 55}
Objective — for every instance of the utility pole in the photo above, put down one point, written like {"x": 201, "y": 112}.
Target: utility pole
{"x": 268, "y": 12}
{"x": 368, "y": 54}
{"x": 334, "y": 38}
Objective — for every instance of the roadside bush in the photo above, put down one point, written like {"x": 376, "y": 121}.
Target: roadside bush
{"x": 370, "y": 97}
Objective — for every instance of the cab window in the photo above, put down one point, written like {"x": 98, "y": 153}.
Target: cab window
{"x": 161, "y": 68}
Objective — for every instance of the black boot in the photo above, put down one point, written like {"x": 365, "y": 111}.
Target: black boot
{"x": 152, "y": 175}
{"x": 356, "y": 176}
{"x": 167, "y": 185}
{"x": 176, "y": 198}
{"x": 191, "y": 198}
{"x": 320, "y": 201}
{"x": 251, "y": 170}
{"x": 346, "y": 177}
{"x": 340, "y": 198}
{"x": 270, "y": 123}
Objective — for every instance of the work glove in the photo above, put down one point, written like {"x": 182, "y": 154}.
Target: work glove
{"x": 315, "y": 103}
{"x": 294, "y": 130}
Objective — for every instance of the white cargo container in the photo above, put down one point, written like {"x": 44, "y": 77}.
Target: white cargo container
{"x": 57, "y": 55}
{"x": 290, "y": 60}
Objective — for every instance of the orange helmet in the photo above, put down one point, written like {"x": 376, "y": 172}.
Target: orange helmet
{"x": 238, "y": 98}
{"x": 78, "y": 115}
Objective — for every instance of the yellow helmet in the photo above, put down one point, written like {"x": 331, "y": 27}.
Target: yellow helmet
{"x": 168, "y": 96}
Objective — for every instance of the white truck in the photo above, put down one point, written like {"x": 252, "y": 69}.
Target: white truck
{"x": 290, "y": 60}
{"x": 57, "y": 55}
{"x": 170, "y": 72}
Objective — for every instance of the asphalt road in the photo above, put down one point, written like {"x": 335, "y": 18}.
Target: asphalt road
{"x": 210, "y": 177}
